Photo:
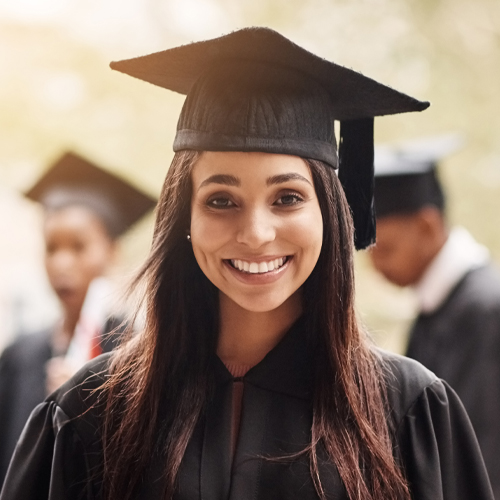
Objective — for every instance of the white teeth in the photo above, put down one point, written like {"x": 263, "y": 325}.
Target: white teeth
{"x": 258, "y": 267}
{"x": 254, "y": 268}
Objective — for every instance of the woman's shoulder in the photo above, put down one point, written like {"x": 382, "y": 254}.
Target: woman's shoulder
{"x": 407, "y": 381}
{"x": 81, "y": 397}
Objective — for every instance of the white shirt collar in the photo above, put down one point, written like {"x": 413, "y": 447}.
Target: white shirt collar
{"x": 459, "y": 255}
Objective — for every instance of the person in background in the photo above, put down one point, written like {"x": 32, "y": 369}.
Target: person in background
{"x": 86, "y": 209}
{"x": 457, "y": 331}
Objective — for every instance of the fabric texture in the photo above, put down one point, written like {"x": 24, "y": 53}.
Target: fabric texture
{"x": 59, "y": 452}
{"x": 23, "y": 384}
{"x": 460, "y": 342}
{"x": 353, "y": 95}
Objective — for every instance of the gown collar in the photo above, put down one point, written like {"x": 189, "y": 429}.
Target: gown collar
{"x": 287, "y": 369}
{"x": 460, "y": 254}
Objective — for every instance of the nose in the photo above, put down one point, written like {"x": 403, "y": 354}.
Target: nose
{"x": 61, "y": 263}
{"x": 256, "y": 228}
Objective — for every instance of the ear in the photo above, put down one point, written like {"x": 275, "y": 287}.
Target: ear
{"x": 432, "y": 231}
{"x": 431, "y": 222}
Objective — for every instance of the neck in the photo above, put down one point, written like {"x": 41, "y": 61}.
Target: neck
{"x": 245, "y": 337}
{"x": 69, "y": 323}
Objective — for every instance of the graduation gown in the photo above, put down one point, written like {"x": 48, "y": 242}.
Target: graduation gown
{"x": 59, "y": 452}
{"x": 460, "y": 342}
{"x": 22, "y": 384}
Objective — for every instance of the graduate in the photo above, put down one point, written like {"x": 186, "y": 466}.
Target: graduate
{"x": 86, "y": 209}
{"x": 252, "y": 378}
{"x": 457, "y": 331}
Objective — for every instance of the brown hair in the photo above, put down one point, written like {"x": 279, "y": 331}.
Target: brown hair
{"x": 180, "y": 335}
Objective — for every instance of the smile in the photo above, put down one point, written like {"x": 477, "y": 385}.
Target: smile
{"x": 258, "y": 267}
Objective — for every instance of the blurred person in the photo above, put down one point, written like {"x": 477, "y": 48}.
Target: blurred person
{"x": 457, "y": 331}
{"x": 252, "y": 378}
{"x": 86, "y": 210}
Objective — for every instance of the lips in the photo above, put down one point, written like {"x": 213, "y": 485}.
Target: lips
{"x": 258, "y": 267}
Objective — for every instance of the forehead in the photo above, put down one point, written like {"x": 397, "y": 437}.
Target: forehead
{"x": 74, "y": 218}
{"x": 248, "y": 166}
{"x": 394, "y": 229}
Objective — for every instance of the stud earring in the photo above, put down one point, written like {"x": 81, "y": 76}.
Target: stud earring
{"x": 188, "y": 237}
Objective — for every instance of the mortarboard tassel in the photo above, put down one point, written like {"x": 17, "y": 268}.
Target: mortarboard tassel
{"x": 356, "y": 172}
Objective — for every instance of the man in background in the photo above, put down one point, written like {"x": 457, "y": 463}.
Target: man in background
{"x": 457, "y": 331}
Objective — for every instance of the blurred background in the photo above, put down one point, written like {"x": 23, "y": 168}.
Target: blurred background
{"x": 58, "y": 93}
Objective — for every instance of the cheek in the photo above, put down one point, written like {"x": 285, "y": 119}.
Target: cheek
{"x": 398, "y": 264}
{"x": 306, "y": 232}
{"x": 209, "y": 234}
{"x": 93, "y": 262}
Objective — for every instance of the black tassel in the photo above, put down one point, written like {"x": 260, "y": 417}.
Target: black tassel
{"x": 356, "y": 175}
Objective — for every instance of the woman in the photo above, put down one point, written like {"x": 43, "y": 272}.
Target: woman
{"x": 252, "y": 378}
{"x": 84, "y": 214}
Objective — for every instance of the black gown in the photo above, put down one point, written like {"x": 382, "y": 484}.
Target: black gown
{"x": 59, "y": 453}
{"x": 23, "y": 383}
{"x": 460, "y": 343}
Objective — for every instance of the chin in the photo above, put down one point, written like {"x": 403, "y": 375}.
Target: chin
{"x": 261, "y": 303}
{"x": 397, "y": 280}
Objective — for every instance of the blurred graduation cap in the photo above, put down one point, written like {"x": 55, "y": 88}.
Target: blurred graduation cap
{"x": 406, "y": 176}
{"x": 255, "y": 90}
{"x": 73, "y": 180}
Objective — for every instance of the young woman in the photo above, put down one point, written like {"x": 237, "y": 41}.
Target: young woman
{"x": 252, "y": 378}
{"x": 83, "y": 217}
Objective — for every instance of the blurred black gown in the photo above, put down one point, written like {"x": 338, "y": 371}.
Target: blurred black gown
{"x": 460, "y": 343}
{"x": 23, "y": 383}
{"x": 58, "y": 456}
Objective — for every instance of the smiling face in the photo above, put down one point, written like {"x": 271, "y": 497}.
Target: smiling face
{"x": 78, "y": 249}
{"x": 256, "y": 226}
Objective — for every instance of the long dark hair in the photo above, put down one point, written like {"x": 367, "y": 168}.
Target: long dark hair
{"x": 350, "y": 419}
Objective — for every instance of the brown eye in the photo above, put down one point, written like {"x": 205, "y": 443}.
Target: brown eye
{"x": 289, "y": 200}
{"x": 220, "y": 202}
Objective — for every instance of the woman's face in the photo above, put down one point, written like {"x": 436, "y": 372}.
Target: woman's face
{"x": 78, "y": 249}
{"x": 256, "y": 225}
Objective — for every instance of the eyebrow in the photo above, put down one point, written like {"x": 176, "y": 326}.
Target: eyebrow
{"x": 282, "y": 178}
{"x": 227, "y": 180}
{"x": 231, "y": 180}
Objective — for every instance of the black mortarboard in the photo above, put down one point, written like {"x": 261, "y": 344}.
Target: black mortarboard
{"x": 72, "y": 180}
{"x": 406, "y": 174}
{"x": 255, "y": 90}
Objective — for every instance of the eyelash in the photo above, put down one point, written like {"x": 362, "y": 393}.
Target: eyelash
{"x": 212, "y": 202}
{"x": 296, "y": 197}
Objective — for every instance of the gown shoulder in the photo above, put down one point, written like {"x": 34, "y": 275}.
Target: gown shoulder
{"x": 434, "y": 439}
{"x": 59, "y": 450}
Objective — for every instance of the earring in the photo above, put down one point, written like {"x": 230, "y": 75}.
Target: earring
{"x": 188, "y": 237}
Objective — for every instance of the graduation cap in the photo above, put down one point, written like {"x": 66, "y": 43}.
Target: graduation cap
{"x": 255, "y": 90}
{"x": 73, "y": 180}
{"x": 406, "y": 177}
